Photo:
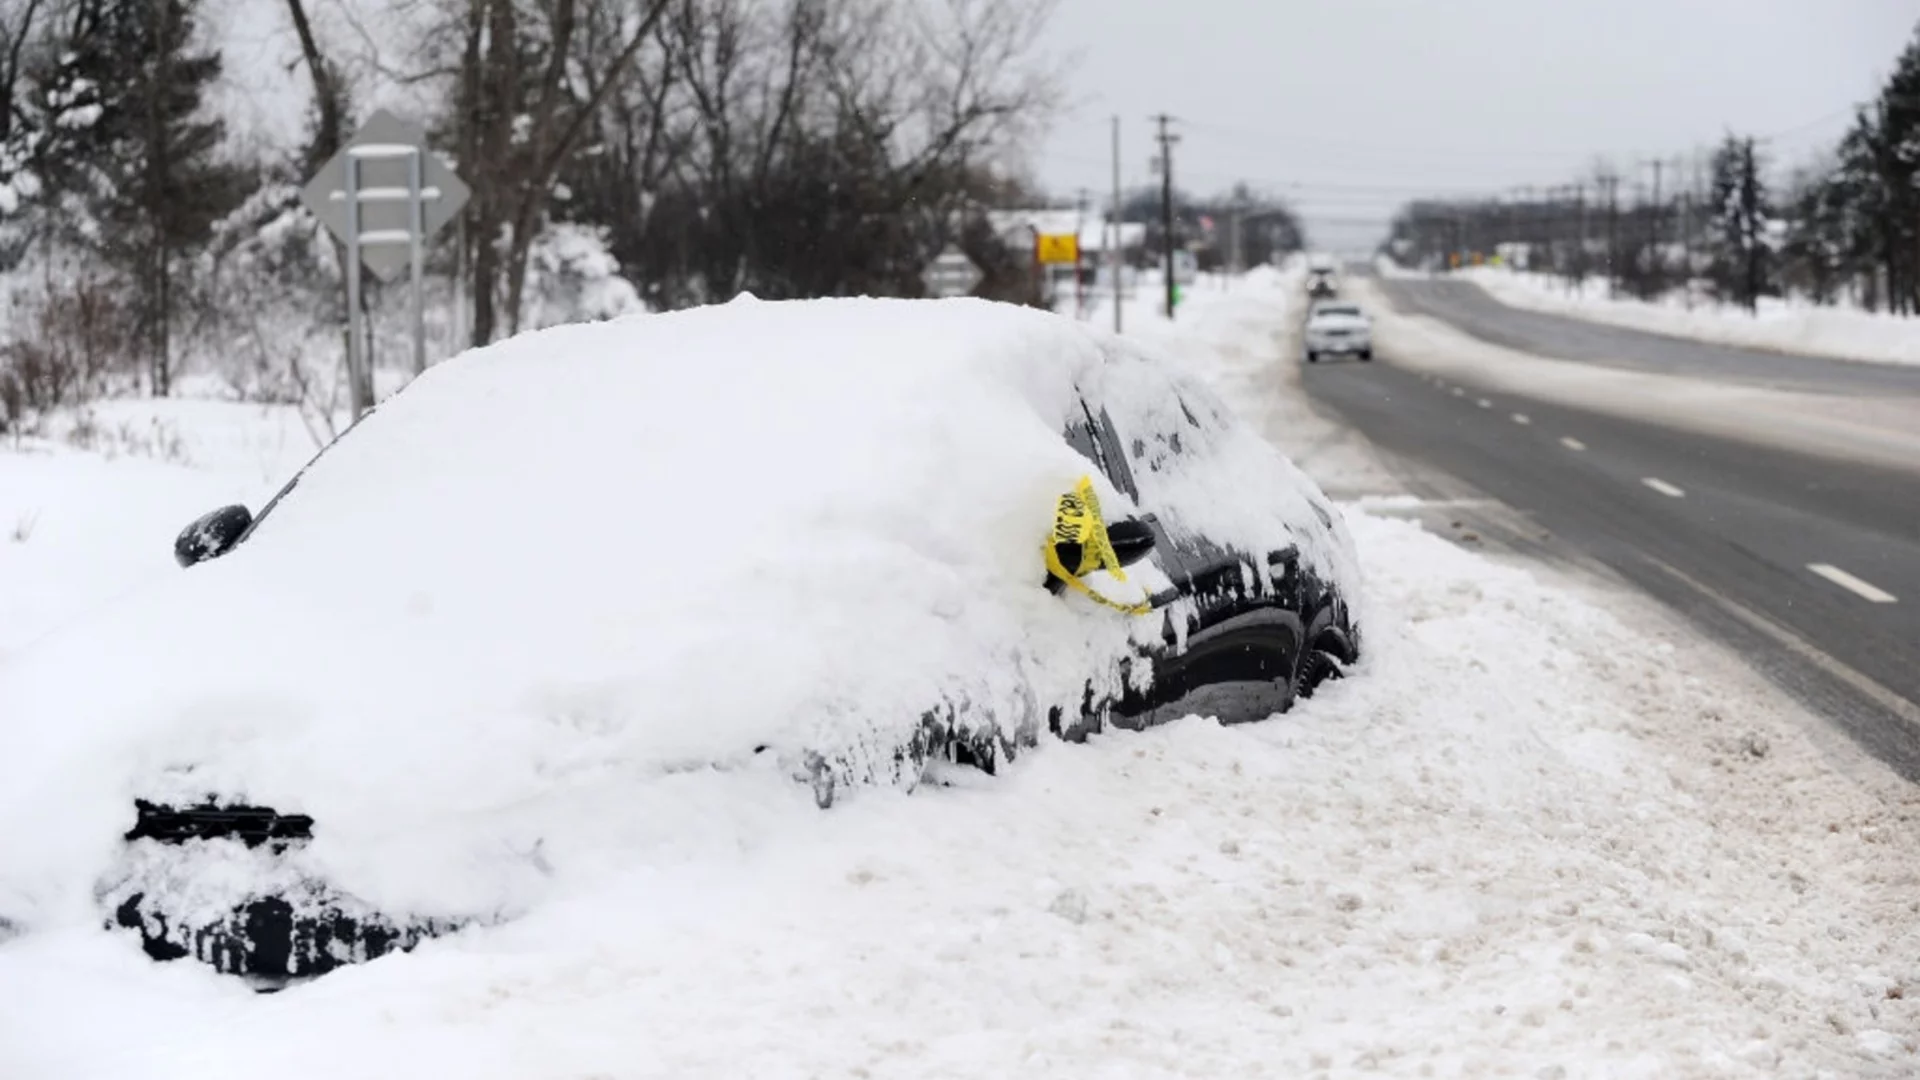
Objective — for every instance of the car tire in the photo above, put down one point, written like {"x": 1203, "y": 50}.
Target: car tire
{"x": 1332, "y": 651}
{"x": 1312, "y": 357}
{"x": 1315, "y": 668}
{"x": 1366, "y": 354}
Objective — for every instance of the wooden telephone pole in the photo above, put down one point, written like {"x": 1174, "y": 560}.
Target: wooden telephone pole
{"x": 1167, "y": 139}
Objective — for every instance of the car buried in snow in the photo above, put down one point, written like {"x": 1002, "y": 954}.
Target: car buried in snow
{"x": 491, "y": 635}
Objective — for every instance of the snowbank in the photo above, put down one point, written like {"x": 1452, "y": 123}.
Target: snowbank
{"x": 1544, "y": 833}
{"x": 1878, "y": 432}
{"x": 1781, "y": 325}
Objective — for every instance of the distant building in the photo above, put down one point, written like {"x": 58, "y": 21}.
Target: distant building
{"x": 1018, "y": 228}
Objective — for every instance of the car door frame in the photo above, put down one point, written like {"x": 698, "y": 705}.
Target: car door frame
{"x": 1244, "y": 624}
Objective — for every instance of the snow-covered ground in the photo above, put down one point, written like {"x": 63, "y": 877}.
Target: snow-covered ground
{"x": 91, "y": 510}
{"x": 1789, "y": 326}
{"x": 1542, "y": 833}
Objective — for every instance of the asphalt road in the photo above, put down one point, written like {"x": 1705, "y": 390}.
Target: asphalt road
{"x": 1808, "y": 567}
{"x": 1470, "y": 308}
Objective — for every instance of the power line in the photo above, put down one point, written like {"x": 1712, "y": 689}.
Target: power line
{"x": 1397, "y": 148}
{"x": 1810, "y": 125}
{"x": 1298, "y": 185}
{"x": 1404, "y": 151}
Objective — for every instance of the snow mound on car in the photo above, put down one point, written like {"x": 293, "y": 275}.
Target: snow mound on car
{"x": 588, "y": 558}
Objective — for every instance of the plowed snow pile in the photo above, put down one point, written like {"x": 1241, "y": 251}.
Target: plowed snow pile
{"x": 1541, "y": 833}
{"x": 1790, "y": 326}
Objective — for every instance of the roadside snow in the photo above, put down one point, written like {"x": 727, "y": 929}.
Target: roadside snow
{"x": 1781, "y": 325}
{"x": 90, "y": 511}
{"x": 1542, "y": 833}
{"x": 1879, "y": 431}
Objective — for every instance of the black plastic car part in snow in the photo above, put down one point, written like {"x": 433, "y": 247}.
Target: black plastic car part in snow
{"x": 252, "y": 825}
{"x": 269, "y": 939}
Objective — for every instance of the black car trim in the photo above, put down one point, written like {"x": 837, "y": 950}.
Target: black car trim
{"x": 251, "y": 825}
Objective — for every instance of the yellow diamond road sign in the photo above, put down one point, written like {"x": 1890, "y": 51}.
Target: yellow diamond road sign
{"x": 1055, "y": 248}
{"x": 385, "y": 150}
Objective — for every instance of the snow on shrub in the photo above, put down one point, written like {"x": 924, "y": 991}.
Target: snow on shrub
{"x": 572, "y": 277}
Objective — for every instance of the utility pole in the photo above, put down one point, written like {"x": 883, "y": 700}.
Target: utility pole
{"x": 1580, "y": 252}
{"x": 1658, "y": 164}
{"x": 1115, "y": 257}
{"x": 1167, "y": 139}
{"x": 1750, "y": 225}
{"x": 1527, "y": 232}
{"x": 1686, "y": 248}
{"x": 1679, "y": 183}
{"x": 1656, "y": 257}
{"x": 1079, "y": 262}
{"x": 1233, "y": 236}
{"x": 1612, "y": 183}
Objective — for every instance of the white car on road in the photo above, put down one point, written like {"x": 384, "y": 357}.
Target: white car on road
{"x": 1338, "y": 328}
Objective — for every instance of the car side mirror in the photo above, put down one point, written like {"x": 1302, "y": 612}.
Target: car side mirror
{"x": 1132, "y": 540}
{"x": 211, "y": 535}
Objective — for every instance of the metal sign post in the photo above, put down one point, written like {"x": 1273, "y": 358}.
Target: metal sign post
{"x": 384, "y": 195}
{"x": 416, "y": 241}
{"x": 359, "y": 364}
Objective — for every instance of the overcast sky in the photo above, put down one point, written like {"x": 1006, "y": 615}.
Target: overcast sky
{"x": 1350, "y": 106}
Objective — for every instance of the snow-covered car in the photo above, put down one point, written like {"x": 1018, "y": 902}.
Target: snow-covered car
{"x": 498, "y": 633}
{"x": 1337, "y": 329}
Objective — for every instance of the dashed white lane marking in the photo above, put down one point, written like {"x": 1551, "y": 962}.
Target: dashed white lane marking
{"x": 1521, "y": 419}
{"x": 1663, "y": 487}
{"x": 1457, "y": 392}
{"x": 1870, "y": 593}
{"x": 1484, "y": 403}
{"x": 1572, "y": 443}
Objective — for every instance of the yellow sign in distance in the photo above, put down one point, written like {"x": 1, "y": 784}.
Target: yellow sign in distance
{"x": 1055, "y": 248}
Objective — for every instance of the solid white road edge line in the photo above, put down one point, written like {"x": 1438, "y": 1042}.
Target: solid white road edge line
{"x": 1865, "y": 590}
{"x": 1885, "y": 698}
{"x": 1663, "y": 487}
{"x": 1572, "y": 443}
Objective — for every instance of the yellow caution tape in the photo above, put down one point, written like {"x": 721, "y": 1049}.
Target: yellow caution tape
{"x": 1077, "y": 521}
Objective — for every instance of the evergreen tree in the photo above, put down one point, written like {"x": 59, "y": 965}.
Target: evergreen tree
{"x": 130, "y": 155}
{"x": 1893, "y": 156}
{"x": 1814, "y": 257}
{"x": 1738, "y": 222}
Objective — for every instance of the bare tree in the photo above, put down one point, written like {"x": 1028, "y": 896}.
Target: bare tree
{"x": 329, "y": 92}
{"x": 527, "y": 94}
{"x": 16, "y": 28}
{"x": 818, "y": 147}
